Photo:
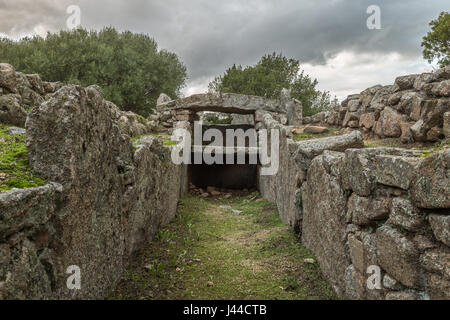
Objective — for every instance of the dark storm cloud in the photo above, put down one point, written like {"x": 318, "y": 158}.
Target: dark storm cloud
{"x": 211, "y": 35}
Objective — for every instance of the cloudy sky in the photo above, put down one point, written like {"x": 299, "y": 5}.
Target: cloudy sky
{"x": 329, "y": 37}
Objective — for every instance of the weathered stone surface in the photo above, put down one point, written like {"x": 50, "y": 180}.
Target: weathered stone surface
{"x": 436, "y": 264}
{"x": 357, "y": 255}
{"x": 293, "y": 108}
{"x": 416, "y": 107}
{"x": 354, "y": 283}
{"x": 324, "y": 225}
{"x": 29, "y": 97}
{"x": 16, "y": 131}
{"x": 437, "y": 261}
{"x": 391, "y": 283}
{"x": 405, "y": 82}
{"x": 334, "y": 119}
{"x": 398, "y": 256}
{"x": 29, "y": 274}
{"x": 367, "y": 95}
{"x": 405, "y": 215}
{"x": 446, "y": 125}
{"x": 51, "y": 87}
{"x": 162, "y": 99}
{"x": 318, "y": 117}
{"x": 402, "y": 295}
{"x": 359, "y": 174}
{"x": 423, "y": 79}
{"x": 11, "y": 111}
{"x": 407, "y": 102}
{"x": 36, "y": 205}
{"x": 424, "y": 243}
{"x": 112, "y": 201}
{"x": 8, "y": 79}
{"x": 441, "y": 227}
{"x": 282, "y": 188}
{"x": 418, "y": 130}
{"x": 438, "y": 287}
{"x": 395, "y": 171}
{"x": 307, "y": 150}
{"x": 315, "y": 129}
{"x": 353, "y": 124}
{"x": 406, "y": 136}
{"x": 243, "y": 119}
{"x": 432, "y": 114}
{"x": 365, "y": 211}
{"x": 438, "y": 88}
{"x": 24, "y": 215}
{"x": 431, "y": 186}
{"x": 226, "y": 102}
{"x": 353, "y": 105}
{"x": 370, "y": 249}
{"x": 36, "y": 83}
{"x": 388, "y": 124}
{"x": 350, "y": 116}
{"x": 434, "y": 134}
{"x": 151, "y": 165}
{"x": 367, "y": 120}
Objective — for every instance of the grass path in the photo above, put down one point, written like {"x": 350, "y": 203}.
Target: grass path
{"x": 209, "y": 252}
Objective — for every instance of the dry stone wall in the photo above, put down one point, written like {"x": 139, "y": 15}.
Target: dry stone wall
{"x": 413, "y": 109}
{"x": 359, "y": 210}
{"x": 104, "y": 201}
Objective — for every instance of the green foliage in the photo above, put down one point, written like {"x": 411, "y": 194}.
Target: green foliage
{"x": 268, "y": 77}
{"x": 436, "y": 44}
{"x": 128, "y": 67}
{"x": 213, "y": 118}
{"x": 14, "y": 169}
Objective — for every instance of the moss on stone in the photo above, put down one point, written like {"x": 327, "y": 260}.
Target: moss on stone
{"x": 15, "y": 171}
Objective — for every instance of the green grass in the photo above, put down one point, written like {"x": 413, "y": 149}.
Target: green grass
{"x": 164, "y": 138}
{"x": 210, "y": 253}
{"x": 428, "y": 148}
{"x": 15, "y": 171}
{"x": 306, "y": 136}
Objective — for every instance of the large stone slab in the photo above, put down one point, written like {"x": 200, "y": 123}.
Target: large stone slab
{"x": 431, "y": 187}
{"x": 360, "y": 167}
{"x": 395, "y": 171}
{"x": 324, "y": 225}
{"x": 398, "y": 256}
{"x": 225, "y": 102}
{"x": 307, "y": 150}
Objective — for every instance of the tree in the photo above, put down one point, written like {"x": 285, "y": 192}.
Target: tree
{"x": 129, "y": 67}
{"x": 268, "y": 77}
{"x": 436, "y": 43}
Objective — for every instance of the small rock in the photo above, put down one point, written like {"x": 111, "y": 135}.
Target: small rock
{"x": 228, "y": 196}
{"x": 309, "y": 260}
{"x": 210, "y": 283}
{"x": 315, "y": 129}
{"x": 238, "y": 212}
{"x": 205, "y": 195}
{"x": 16, "y": 131}
{"x": 225, "y": 207}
